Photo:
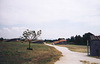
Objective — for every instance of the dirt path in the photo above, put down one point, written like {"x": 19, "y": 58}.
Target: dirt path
{"x": 70, "y": 57}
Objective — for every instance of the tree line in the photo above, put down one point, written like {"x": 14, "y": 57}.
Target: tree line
{"x": 80, "y": 40}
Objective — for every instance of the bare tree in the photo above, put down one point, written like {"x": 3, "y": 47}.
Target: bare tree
{"x": 31, "y": 35}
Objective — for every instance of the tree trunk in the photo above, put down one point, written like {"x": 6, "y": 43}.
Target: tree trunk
{"x": 29, "y": 46}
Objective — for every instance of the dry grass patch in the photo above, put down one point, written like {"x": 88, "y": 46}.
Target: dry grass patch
{"x": 87, "y": 62}
{"x": 76, "y": 48}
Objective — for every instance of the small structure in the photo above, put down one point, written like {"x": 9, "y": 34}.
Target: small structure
{"x": 13, "y": 40}
{"x": 62, "y": 41}
{"x": 95, "y": 46}
{"x": 38, "y": 41}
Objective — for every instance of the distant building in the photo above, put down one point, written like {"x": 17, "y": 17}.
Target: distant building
{"x": 61, "y": 41}
{"x": 13, "y": 40}
{"x": 95, "y": 46}
{"x": 38, "y": 41}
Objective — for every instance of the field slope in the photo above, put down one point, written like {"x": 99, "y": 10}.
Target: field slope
{"x": 17, "y": 53}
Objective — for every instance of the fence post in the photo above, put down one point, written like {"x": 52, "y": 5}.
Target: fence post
{"x": 87, "y": 48}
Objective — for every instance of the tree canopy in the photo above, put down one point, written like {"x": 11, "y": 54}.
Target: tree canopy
{"x": 31, "y": 34}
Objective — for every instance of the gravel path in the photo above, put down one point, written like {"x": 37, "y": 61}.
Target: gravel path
{"x": 70, "y": 57}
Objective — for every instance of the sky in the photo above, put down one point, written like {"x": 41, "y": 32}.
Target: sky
{"x": 56, "y": 18}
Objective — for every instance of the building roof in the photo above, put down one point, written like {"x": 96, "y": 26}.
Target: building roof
{"x": 59, "y": 41}
{"x": 95, "y": 37}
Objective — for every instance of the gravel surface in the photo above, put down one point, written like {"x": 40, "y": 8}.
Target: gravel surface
{"x": 70, "y": 57}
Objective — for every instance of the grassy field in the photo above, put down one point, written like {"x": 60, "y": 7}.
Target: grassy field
{"x": 76, "y": 48}
{"x": 17, "y": 53}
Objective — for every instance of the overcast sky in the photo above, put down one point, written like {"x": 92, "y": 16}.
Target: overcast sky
{"x": 56, "y": 18}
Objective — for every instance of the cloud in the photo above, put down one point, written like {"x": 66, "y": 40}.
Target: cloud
{"x": 37, "y": 11}
{"x": 13, "y": 32}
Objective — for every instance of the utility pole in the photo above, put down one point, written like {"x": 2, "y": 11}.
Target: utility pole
{"x": 87, "y": 48}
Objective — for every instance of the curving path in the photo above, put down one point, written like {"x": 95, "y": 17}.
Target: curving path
{"x": 70, "y": 57}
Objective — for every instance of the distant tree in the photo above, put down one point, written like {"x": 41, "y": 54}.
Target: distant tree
{"x": 78, "y": 39}
{"x": 31, "y": 35}
{"x": 72, "y": 39}
{"x": 1, "y": 39}
{"x": 61, "y": 38}
{"x": 68, "y": 39}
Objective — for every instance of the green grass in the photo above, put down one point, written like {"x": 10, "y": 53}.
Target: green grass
{"x": 17, "y": 53}
{"x": 76, "y": 48}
